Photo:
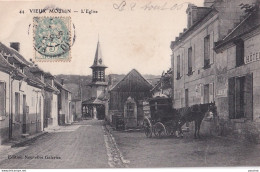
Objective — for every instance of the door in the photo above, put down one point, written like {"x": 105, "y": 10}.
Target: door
{"x": 17, "y": 107}
{"x": 186, "y": 97}
{"x": 24, "y": 114}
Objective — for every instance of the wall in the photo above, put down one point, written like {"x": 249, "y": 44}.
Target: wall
{"x": 34, "y": 100}
{"x": 200, "y": 75}
{"x": 242, "y": 128}
{"x": 4, "y": 120}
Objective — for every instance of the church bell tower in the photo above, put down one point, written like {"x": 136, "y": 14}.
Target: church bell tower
{"x": 99, "y": 83}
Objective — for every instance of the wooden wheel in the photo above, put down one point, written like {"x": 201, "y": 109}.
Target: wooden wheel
{"x": 147, "y": 127}
{"x": 159, "y": 130}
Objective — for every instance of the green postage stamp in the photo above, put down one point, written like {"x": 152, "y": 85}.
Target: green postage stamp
{"x": 52, "y": 38}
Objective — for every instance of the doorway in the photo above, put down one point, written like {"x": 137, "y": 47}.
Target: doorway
{"x": 24, "y": 114}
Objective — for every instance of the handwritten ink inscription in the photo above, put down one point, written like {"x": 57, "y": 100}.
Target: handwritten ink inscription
{"x": 150, "y": 6}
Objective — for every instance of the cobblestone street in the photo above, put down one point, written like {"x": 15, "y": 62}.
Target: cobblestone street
{"x": 86, "y": 144}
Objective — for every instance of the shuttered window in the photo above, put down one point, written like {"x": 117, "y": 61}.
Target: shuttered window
{"x": 240, "y": 97}
{"x": 190, "y": 61}
{"x": 178, "y": 67}
{"x": 207, "y": 51}
{"x": 2, "y": 99}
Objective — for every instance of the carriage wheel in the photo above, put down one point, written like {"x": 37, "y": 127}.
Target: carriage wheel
{"x": 159, "y": 130}
{"x": 147, "y": 128}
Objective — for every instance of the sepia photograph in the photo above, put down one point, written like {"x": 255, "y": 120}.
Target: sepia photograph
{"x": 148, "y": 84}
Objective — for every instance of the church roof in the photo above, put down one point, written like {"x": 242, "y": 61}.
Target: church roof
{"x": 98, "y": 61}
{"x": 132, "y": 82}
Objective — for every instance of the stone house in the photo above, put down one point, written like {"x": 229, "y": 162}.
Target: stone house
{"x": 21, "y": 96}
{"x": 193, "y": 56}
{"x": 237, "y": 78}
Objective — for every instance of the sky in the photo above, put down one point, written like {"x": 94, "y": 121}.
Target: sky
{"x": 133, "y": 34}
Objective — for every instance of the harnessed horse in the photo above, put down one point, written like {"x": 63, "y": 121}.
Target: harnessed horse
{"x": 195, "y": 113}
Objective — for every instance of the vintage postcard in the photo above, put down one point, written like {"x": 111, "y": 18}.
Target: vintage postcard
{"x": 104, "y": 84}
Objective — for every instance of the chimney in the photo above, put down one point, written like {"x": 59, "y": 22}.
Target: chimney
{"x": 15, "y": 45}
{"x": 192, "y": 12}
{"x": 208, "y": 3}
{"x": 62, "y": 81}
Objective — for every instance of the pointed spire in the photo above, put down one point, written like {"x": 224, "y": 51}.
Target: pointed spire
{"x": 98, "y": 61}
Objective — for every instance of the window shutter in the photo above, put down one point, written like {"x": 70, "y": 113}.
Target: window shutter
{"x": 211, "y": 47}
{"x": 211, "y": 92}
{"x": 2, "y": 99}
{"x": 201, "y": 93}
{"x": 193, "y": 58}
{"x": 231, "y": 97}
{"x": 181, "y": 65}
{"x": 249, "y": 96}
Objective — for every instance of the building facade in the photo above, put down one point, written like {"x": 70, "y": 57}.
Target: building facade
{"x": 237, "y": 78}
{"x": 28, "y": 96}
{"x": 21, "y": 96}
{"x": 194, "y": 59}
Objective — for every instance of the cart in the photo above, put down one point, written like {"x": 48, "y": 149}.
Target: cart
{"x": 163, "y": 120}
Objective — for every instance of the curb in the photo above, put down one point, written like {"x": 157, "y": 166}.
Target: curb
{"x": 32, "y": 138}
{"x": 124, "y": 161}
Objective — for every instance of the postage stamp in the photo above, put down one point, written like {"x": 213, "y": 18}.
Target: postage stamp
{"x": 52, "y": 39}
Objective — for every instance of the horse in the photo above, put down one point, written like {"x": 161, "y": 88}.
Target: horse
{"x": 195, "y": 113}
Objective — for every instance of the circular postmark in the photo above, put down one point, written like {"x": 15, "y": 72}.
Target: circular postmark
{"x": 52, "y": 36}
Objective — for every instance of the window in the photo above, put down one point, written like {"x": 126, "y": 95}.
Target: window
{"x": 2, "y": 99}
{"x": 190, "y": 61}
{"x": 178, "y": 67}
{"x": 207, "y": 52}
{"x": 240, "y": 97}
{"x": 206, "y": 93}
{"x": 239, "y": 52}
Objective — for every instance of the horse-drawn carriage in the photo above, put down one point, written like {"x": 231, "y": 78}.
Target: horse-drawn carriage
{"x": 165, "y": 120}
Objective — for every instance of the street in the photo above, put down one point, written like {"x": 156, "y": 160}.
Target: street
{"x": 208, "y": 151}
{"x": 81, "y": 145}
{"x": 89, "y": 144}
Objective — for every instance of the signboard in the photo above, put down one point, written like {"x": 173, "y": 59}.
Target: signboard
{"x": 221, "y": 92}
{"x": 253, "y": 57}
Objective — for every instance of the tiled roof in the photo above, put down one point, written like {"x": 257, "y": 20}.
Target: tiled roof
{"x": 251, "y": 22}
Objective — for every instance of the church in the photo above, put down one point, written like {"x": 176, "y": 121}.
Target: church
{"x": 96, "y": 106}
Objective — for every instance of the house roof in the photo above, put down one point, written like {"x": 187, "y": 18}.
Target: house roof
{"x": 13, "y": 55}
{"x": 168, "y": 74}
{"x": 187, "y": 32}
{"x": 250, "y": 23}
{"x": 98, "y": 60}
{"x": 136, "y": 82}
{"x": 4, "y": 65}
{"x": 32, "y": 79}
